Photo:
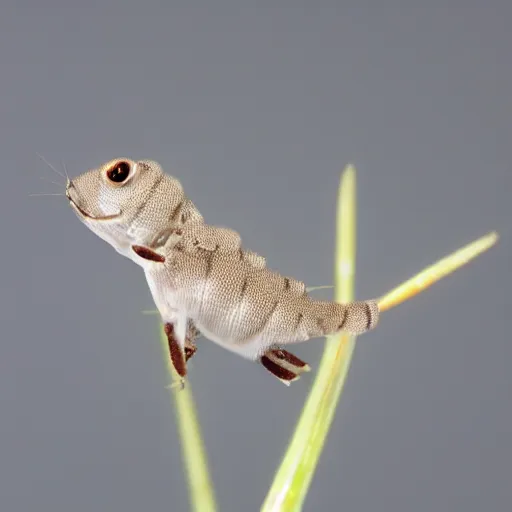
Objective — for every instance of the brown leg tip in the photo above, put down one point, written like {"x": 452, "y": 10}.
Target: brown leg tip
{"x": 148, "y": 254}
{"x": 177, "y": 357}
{"x": 284, "y": 374}
{"x": 190, "y": 350}
{"x": 290, "y": 360}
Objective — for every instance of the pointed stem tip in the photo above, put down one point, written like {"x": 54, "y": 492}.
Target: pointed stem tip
{"x": 437, "y": 271}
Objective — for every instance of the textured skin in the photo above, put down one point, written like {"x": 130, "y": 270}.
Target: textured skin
{"x": 208, "y": 282}
{"x": 245, "y": 308}
{"x": 149, "y": 203}
{"x": 150, "y": 208}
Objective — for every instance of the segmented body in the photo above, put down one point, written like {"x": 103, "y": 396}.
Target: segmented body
{"x": 200, "y": 276}
{"x": 236, "y": 301}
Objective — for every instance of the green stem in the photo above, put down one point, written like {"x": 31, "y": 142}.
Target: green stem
{"x": 201, "y": 494}
{"x": 293, "y": 478}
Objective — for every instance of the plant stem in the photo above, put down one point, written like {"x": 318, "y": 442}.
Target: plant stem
{"x": 293, "y": 478}
{"x": 296, "y": 471}
{"x": 201, "y": 494}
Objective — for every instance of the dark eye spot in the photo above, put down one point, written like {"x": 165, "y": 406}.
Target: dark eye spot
{"x": 119, "y": 172}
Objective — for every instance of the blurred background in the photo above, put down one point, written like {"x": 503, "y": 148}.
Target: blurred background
{"x": 256, "y": 109}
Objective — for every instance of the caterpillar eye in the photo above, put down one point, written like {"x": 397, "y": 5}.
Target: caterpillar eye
{"x": 119, "y": 172}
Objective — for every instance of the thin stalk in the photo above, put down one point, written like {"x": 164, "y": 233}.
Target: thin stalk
{"x": 201, "y": 494}
{"x": 294, "y": 476}
{"x": 437, "y": 271}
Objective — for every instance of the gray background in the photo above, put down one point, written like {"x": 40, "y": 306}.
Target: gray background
{"x": 256, "y": 110}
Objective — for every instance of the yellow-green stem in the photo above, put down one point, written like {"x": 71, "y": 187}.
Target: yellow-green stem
{"x": 201, "y": 494}
{"x": 297, "y": 468}
{"x": 294, "y": 476}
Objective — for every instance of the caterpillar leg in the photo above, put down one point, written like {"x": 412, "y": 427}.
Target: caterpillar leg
{"x": 179, "y": 355}
{"x": 178, "y": 358}
{"x": 190, "y": 349}
{"x": 190, "y": 346}
{"x": 284, "y": 365}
